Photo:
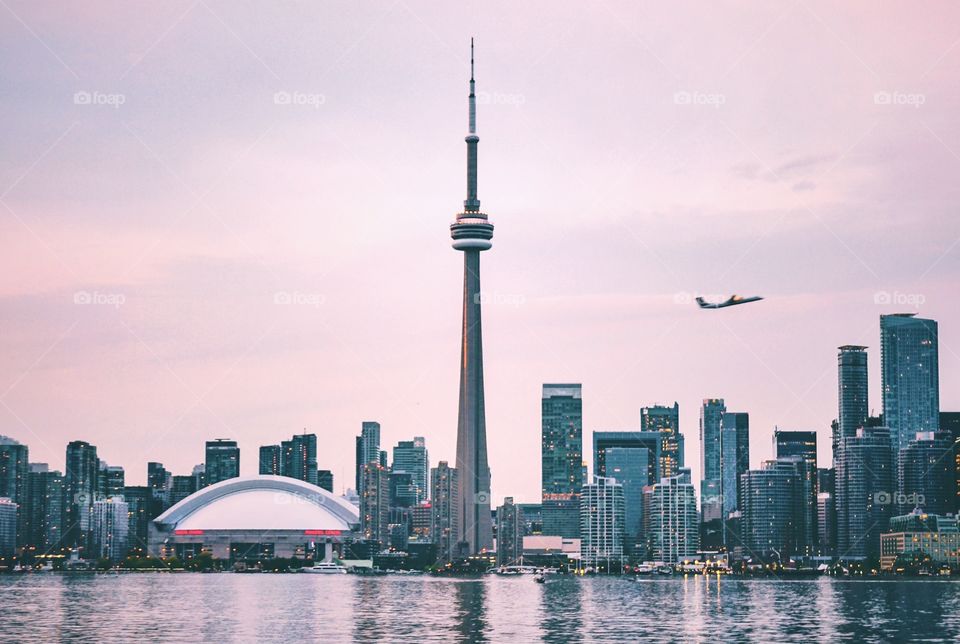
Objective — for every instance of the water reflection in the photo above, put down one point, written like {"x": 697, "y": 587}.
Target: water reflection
{"x": 470, "y": 611}
{"x": 338, "y": 608}
{"x": 560, "y": 609}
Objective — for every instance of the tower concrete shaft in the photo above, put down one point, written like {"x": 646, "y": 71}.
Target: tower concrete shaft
{"x": 471, "y": 233}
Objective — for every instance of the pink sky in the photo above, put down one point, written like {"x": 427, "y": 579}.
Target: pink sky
{"x": 815, "y": 163}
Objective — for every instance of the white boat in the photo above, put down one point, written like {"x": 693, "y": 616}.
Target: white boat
{"x": 326, "y": 568}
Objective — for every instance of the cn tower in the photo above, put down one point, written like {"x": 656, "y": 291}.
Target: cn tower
{"x": 471, "y": 233}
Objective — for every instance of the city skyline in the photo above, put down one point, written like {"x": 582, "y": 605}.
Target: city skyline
{"x": 154, "y": 331}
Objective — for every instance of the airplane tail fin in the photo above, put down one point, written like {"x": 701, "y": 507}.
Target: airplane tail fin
{"x": 701, "y": 301}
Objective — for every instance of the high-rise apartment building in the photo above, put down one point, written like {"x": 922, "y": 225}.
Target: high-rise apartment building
{"x": 602, "y": 524}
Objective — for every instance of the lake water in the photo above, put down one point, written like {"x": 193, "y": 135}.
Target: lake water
{"x": 246, "y": 608}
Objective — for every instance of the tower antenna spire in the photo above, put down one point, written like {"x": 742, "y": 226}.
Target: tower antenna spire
{"x": 472, "y": 203}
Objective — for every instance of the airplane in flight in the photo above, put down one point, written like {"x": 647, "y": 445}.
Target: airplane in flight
{"x": 732, "y": 301}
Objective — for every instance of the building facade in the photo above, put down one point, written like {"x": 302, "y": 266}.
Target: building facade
{"x": 375, "y": 503}
{"x": 852, "y": 392}
{"x": 445, "y": 483}
{"x": 110, "y": 524}
{"x": 910, "y": 376}
{"x": 602, "y": 525}
{"x": 14, "y": 466}
{"x": 222, "y": 461}
{"x": 672, "y": 519}
{"x": 44, "y": 509}
{"x": 771, "y": 510}
{"x": 926, "y": 474}
{"x": 412, "y": 457}
{"x": 865, "y": 488}
{"x": 711, "y": 485}
{"x": 923, "y": 534}
{"x": 561, "y": 458}
{"x": 368, "y": 448}
{"x": 80, "y": 491}
{"x": 666, "y": 420}
{"x": 510, "y": 531}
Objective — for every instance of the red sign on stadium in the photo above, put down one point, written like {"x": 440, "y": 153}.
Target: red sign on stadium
{"x": 328, "y": 533}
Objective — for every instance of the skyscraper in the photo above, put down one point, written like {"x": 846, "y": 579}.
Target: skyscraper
{"x": 672, "y": 517}
{"x": 270, "y": 457}
{"x": 711, "y": 418}
{"x": 630, "y": 467}
{"x": 471, "y": 233}
{"x": 604, "y": 441}
{"x": 865, "y": 491}
{"x": 8, "y": 527}
{"x": 110, "y": 480}
{"x": 299, "y": 458}
{"x": 666, "y": 420}
{"x": 80, "y": 490}
{"x": 14, "y": 465}
{"x": 223, "y": 461}
{"x": 181, "y": 487}
{"x": 375, "y": 503}
{"x": 734, "y": 457}
{"x": 368, "y": 448}
{"x": 910, "y": 376}
{"x": 927, "y": 474}
{"x": 325, "y": 480}
{"x": 802, "y": 445}
{"x": 561, "y": 458}
{"x": 773, "y": 500}
{"x": 45, "y": 508}
{"x": 510, "y": 529}
{"x": 141, "y": 508}
{"x": 110, "y": 525}
{"x": 852, "y": 391}
{"x": 444, "y": 482}
{"x": 601, "y": 524}
{"x": 412, "y": 457}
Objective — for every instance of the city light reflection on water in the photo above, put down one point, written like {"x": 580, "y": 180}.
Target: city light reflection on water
{"x": 231, "y": 607}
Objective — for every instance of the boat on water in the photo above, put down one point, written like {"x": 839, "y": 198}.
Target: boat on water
{"x": 540, "y": 578}
{"x": 326, "y": 568}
